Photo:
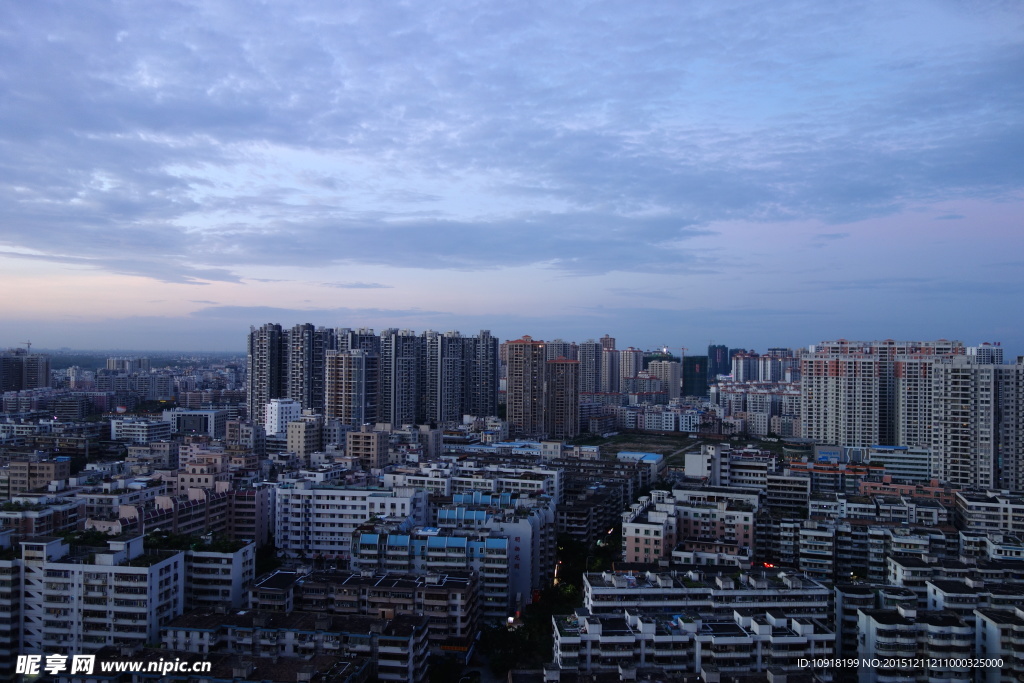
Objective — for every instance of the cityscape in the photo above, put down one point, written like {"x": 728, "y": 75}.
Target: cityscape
{"x": 341, "y": 504}
{"x": 479, "y": 342}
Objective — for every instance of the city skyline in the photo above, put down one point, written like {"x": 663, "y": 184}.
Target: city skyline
{"x": 765, "y": 174}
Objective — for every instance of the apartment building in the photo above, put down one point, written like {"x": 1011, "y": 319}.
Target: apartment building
{"x": 250, "y": 513}
{"x": 28, "y": 474}
{"x": 398, "y": 646}
{"x": 219, "y": 574}
{"x": 716, "y": 593}
{"x": 739, "y": 644}
{"x": 138, "y": 430}
{"x": 317, "y": 520}
{"x": 906, "y": 636}
{"x": 79, "y": 599}
{"x": 41, "y": 515}
{"x": 661, "y": 523}
{"x": 999, "y": 634}
{"x": 451, "y": 602}
{"x": 504, "y": 564}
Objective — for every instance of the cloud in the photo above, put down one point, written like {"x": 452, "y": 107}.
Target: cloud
{"x": 822, "y": 239}
{"x": 199, "y": 141}
{"x": 583, "y": 143}
{"x": 321, "y": 316}
{"x": 356, "y": 285}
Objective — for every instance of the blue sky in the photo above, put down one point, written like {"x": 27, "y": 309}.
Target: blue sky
{"x": 754, "y": 173}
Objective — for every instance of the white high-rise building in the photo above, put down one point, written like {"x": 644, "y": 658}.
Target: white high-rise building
{"x": 746, "y": 367}
{"x": 559, "y": 348}
{"x": 913, "y": 375}
{"x": 965, "y": 430}
{"x": 860, "y": 376}
{"x": 987, "y": 353}
{"x": 631, "y": 362}
{"x": 671, "y": 373}
{"x": 840, "y": 398}
{"x": 968, "y": 411}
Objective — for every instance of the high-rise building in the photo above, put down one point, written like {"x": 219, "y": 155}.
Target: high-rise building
{"x": 430, "y": 377}
{"x": 840, "y": 398}
{"x": 670, "y": 373}
{"x": 1011, "y": 425}
{"x": 631, "y": 362}
{"x": 562, "y": 399}
{"x": 21, "y": 370}
{"x": 695, "y": 375}
{"x": 542, "y": 395}
{"x": 609, "y": 371}
{"x": 128, "y": 364}
{"x": 401, "y": 377}
{"x": 352, "y": 379}
{"x": 828, "y": 362}
{"x": 525, "y": 388}
{"x": 590, "y": 367}
{"x": 987, "y": 353}
{"x": 305, "y": 348}
{"x": 287, "y": 364}
{"x": 913, "y": 384}
{"x": 266, "y": 368}
{"x": 444, "y": 377}
{"x": 746, "y": 366}
{"x": 968, "y": 412}
{"x": 482, "y": 375}
{"x": 772, "y": 366}
{"x": 559, "y": 348}
{"x": 363, "y": 338}
{"x": 608, "y": 343}
{"x": 718, "y": 361}
{"x": 965, "y": 428}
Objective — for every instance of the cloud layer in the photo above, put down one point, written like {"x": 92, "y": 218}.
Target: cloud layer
{"x": 216, "y": 143}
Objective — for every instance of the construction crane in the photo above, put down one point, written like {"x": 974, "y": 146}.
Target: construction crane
{"x": 28, "y": 346}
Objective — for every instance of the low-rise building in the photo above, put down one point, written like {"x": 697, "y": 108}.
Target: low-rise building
{"x": 739, "y": 643}
{"x": 451, "y": 602}
{"x": 318, "y": 520}
{"x": 398, "y": 646}
{"x": 904, "y": 637}
{"x": 708, "y": 594}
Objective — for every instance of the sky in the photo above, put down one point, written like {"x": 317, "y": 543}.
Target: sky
{"x": 749, "y": 173}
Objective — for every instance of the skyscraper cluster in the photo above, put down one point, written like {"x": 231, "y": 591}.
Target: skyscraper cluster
{"x": 20, "y": 369}
{"x": 959, "y": 402}
{"x": 360, "y": 377}
{"x": 542, "y": 393}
